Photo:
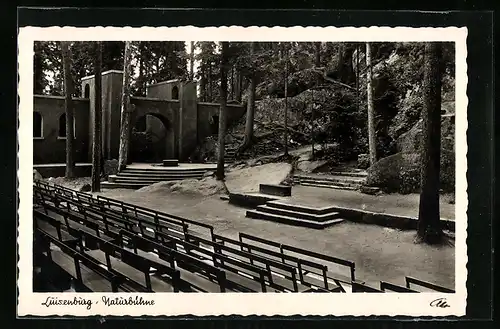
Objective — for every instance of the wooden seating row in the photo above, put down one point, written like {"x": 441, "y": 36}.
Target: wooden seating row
{"x": 211, "y": 264}
{"x": 310, "y": 263}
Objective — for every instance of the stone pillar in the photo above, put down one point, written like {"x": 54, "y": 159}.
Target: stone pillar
{"x": 111, "y": 97}
{"x": 188, "y": 120}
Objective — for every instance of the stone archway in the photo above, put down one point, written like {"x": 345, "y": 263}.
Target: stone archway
{"x": 154, "y": 143}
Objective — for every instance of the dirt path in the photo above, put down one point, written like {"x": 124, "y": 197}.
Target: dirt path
{"x": 395, "y": 204}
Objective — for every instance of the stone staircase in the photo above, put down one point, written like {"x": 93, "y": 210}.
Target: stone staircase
{"x": 297, "y": 215}
{"x": 134, "y": 178}
{"x": 338, "y": 180}
{"x": 341, "y": 180}
{"x": 229, "y": 155}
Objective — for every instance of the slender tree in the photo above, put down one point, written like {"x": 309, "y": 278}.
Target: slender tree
{"x": 239, "y": 85}
{"x": 125, "y": 109}
{"x": 68, "y": 105}
{"x": 372, "y": 146}
{"x": 191, "y": 62}
{"x": 231, "y": 83}
{"x": 286, "y": 99}
{"x": 357, "y": 77}
{"x": 96, "y": 134}
{"x": 429, "y": 223}
{"x": 247, "y": 141}
{"x": 210, "y": 91}
{"x": 222, "y": 110}
{"x": 317, "y": 54}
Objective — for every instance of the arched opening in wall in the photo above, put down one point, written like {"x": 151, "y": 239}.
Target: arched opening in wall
{"x": 141, "y": 124}
{"x": 175, "y": 92}
{"x": 62, "y": 126}
{"x": 37, "y": 125}
{"x": 86, "y": 93}
{"x": 155, "y": 142}
{"x": 214, "y": 125}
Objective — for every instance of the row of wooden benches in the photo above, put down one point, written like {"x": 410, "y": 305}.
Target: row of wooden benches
{"x": 146, "y": 239}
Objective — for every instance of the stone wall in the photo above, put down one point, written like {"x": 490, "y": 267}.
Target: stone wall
{"x": 50, "y": 148}
{"x": 208, "y": 115}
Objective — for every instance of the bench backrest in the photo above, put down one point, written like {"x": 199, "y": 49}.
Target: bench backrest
{"x": 359, "y": 287}
{"x": 161, "y": 215}
{"x": 230, "y": 246}
{"x": 393, "y": 287}
{"x": 428, "y": 285}
{"x": 96, "y": 268}
{"x": 168, "y": 253}
{"x": 297, "y": 261}
{"x": 58, "y": 243}
{"x": 225, "y": 262}
{"x": 38, "y": 215}
{"x": 287, "y": 249}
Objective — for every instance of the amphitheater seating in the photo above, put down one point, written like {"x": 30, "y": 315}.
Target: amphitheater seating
{"x": 428, "y": 285}
{"x": 311, "y": 263}
{"x": 89, "y": 275}
{"x": 361, "y": 287}
{"x": 386, "y": 286}
{"x": 109, "y": 245}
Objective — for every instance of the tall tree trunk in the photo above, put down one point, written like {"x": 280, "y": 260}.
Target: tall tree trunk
{"x": 317, "y": 53}
{"x": 96, "y": 134}
{"x": 191, "y": 62}
{"x": 68, "y": 105}
{"x": 286, "y": 100}
{"x": 231, "y": 95}
{"x": 38, "y": 71}
{"x": 344, "y": 67}
{"x": 203, "y": 87}
{"x": 210, "y": 99}
{"x": 247, "y": 141}
{"x": 372, "y": 144}
{"x": 429, "y": 224}
{"x": 125, "y": 109}
{"x": 140, "y": 79}
{"x": 239, "y": 85}
{"x": 357, "y": 77}
{"x": 222, "y": 111}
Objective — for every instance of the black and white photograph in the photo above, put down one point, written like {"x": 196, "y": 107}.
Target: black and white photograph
{"x": 165, "y": 166}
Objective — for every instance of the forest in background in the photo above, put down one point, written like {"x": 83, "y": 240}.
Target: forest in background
{"x": 326, "y": 94}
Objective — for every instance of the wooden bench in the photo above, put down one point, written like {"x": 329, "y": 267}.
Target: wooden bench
{"x": 143, "y": 214}
{"x": 195, "y": 275}
{"x": 89, "y": 275}
{"x": 146, "y": 216}
{"x": 282, "y": 277}
{"x": 428, "y": 285}
{"x": 273, "y": 189}
{"x": 112, "y": 220}
{"x": 161, "y": 216}
{"x": 301, "y": 253}
{"x": 52, "y": 227}
{"x": 72, "y": 210}
{"x": 360, "y": 287}
{"x": 135, "y": 269}
{"x": 301, "y": 266}
{"x": 254, "y": 279}
{"x": 386, "y": 286}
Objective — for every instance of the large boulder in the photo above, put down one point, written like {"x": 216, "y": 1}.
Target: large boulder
{"x": 410, "y": 141}
{"x": 401, "y": 173}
